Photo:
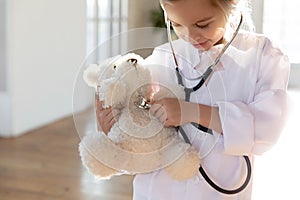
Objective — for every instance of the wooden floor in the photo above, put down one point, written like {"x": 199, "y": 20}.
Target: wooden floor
{"x": 44, "y": 164}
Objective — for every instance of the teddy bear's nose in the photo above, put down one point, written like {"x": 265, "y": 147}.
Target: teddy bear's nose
{"x": 132, "y": 61}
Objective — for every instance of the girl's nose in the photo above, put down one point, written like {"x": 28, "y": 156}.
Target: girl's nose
{"x": 192, "y": 36}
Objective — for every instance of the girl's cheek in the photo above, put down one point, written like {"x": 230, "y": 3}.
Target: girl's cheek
{"x": 218, "y": 33}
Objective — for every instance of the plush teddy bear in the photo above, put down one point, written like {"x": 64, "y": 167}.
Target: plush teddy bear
{"x": 137, "y": 142}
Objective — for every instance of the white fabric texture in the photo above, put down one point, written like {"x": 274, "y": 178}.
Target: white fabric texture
{"x": 249, "y": 87}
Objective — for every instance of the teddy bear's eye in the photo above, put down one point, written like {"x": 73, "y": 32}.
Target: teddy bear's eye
{"x": 132, "y": 61}
{"x": 115, "y": 67}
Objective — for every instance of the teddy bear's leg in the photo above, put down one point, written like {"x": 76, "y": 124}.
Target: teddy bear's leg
{"x": 186, "y": 166}
{"x": 95, "y": 166}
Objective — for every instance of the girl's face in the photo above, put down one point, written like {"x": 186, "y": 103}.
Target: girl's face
{"x": 197, "y": 22}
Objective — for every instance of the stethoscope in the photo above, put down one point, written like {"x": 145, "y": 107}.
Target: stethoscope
{"x": 145, "y": 104}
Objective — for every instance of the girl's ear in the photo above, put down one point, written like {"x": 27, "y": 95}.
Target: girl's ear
{"x": 91, "y": 75}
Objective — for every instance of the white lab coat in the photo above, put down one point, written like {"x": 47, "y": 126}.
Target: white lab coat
{"x": 249, "y": 87}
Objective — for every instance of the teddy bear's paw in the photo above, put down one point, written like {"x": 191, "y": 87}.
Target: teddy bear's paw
{"x": 101, "y": 171}
{"x": 185, "y": 167}
{"x": 95, "y": 167}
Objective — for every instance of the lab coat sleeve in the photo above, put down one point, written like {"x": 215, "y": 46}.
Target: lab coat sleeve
{"x": 253, "y": 128}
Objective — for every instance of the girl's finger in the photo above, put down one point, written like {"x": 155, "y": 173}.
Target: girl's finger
{"x": 99, "y": 105}
{"x": 161, "y": 112}
{"x": 110, "y": 116}
{"x": 163, "y": 117}
{"x": 104, "y": 113}
{"x": 116, "y": 112}
{"x": 155, "y": 108}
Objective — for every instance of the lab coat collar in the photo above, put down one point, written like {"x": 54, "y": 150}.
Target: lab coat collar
{"x": 192, "y": 60}
{"x": 206, "y": 58}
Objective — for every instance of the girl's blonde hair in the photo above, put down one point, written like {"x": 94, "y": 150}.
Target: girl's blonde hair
{"x": 232, "y": 10}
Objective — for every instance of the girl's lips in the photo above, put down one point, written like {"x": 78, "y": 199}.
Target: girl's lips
{"x": 199, "y": 45}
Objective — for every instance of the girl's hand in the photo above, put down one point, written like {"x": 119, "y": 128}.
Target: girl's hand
{"x": 174, "y": 112}
{"x": 106, "y": 118}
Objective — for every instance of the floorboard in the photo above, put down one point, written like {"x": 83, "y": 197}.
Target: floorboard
{"x": 44, "y": 164}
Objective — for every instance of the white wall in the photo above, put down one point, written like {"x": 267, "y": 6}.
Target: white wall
{"x": 2, "y": 46}
{"x": 45, "y": 48}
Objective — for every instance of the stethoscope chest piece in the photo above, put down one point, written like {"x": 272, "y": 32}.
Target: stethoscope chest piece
{"x": 142, "y": 103}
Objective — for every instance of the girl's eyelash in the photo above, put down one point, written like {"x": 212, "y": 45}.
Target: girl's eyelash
{"x": 202, "y": 26}
{"x": 199, "y": 26}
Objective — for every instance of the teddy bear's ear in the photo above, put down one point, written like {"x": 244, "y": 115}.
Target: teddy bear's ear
{"x": 91, "y": 74}
{"x": 112, "y": 93}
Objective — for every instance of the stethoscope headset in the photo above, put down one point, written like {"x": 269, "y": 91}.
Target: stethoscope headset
{"x": 188, "y": 91}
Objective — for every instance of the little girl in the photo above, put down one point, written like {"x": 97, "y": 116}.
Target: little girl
{"x": 243, "y": 102}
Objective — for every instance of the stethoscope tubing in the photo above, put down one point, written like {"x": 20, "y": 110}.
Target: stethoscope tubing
{"x": 188, "y": 92}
